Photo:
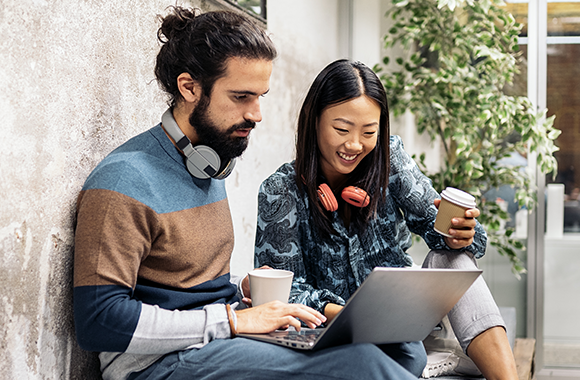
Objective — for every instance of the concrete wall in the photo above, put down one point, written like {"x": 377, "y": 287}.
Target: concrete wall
{"x": 77, "y": 80}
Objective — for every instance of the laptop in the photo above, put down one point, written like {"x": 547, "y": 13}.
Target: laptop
{"x": 392, "y": 305}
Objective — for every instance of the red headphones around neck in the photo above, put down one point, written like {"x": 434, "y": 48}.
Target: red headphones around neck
{"x": 351, "y": 194}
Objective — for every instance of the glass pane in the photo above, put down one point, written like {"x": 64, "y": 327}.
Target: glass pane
{"x": 562, "y": 254}
{"x": 563, "y": 100}
{"x": 520, "y": 84}
{"x": 520, "y": 13}
{"x": 563, "y": 19}
{"x": 256, "y": 7}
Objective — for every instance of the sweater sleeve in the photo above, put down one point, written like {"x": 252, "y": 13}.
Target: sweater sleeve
{"x": 414, "y": 194}
{"x": 113, "y": 236}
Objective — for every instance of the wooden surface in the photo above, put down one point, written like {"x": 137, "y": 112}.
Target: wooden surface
{"x": 524, "y": 352}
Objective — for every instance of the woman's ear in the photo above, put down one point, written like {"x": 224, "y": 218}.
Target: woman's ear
{"x": 189, "y": 88}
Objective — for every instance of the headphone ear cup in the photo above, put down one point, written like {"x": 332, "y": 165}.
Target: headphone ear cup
{"x": 202, "y": 162}
{"x": 326, "y": 197}
{"x": 355, "y": 196}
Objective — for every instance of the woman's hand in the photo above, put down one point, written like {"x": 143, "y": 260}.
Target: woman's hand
{"x": 331, "y": 310}
{"x": 276, "y": 315}
{"x": 462, "y": 229}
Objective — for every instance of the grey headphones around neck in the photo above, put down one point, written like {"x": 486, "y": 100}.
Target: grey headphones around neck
{"x": 202, "y": 161}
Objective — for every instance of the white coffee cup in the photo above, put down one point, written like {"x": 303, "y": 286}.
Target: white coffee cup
{"x": 270, "y": 284}
{"x": 453, "y": 204}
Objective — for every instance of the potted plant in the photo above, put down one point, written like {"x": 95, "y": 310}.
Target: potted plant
{"x": 464, "y": 55}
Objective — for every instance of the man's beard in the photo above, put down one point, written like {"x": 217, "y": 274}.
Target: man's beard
{"x": 224, "y": 143}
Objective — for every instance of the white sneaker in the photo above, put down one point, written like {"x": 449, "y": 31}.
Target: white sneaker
{"x": 449, "y": 363}
{"x": 445, "y": 355}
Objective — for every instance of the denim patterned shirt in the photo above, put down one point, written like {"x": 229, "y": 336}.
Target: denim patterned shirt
{"x": 331, "y": 269}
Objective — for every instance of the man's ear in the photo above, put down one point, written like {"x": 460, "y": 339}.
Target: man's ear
{"x": 189, "y": 88}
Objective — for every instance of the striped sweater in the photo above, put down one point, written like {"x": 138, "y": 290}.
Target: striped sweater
{"x": 152, "y": 254}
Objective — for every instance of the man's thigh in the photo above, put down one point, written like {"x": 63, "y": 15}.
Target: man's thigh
{"x": 241, "y": 358}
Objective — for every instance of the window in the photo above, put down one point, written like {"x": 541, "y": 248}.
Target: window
{"x": 254, "y": 7}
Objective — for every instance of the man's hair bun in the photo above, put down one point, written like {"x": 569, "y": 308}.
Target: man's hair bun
{"x": 174, "y": 24}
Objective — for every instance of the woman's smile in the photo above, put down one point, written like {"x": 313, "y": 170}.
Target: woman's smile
{"x": 347, "y": 157}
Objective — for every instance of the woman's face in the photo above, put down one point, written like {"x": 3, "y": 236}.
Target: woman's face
{"x": 346, "y": 133}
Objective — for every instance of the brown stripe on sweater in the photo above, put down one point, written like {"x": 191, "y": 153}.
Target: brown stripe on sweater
{"x": 118, "y": 239}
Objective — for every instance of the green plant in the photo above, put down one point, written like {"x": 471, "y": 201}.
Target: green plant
{"x": 463, "y": 56}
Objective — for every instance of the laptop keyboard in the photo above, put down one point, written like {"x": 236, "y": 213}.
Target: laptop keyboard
{"x": 304, "y": 337}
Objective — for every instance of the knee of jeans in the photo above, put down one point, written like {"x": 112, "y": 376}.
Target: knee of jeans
{"x": 449, "y": 259}
{"x": 411, "y": 355}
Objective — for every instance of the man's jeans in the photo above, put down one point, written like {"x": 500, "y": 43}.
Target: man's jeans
{"x": 241, "y": 358}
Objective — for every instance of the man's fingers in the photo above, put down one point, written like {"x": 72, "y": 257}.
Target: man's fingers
{"x": 294, "y": 322}
{"x": 309, "y": 314}
{"x": 273, "y": 315}
{"x": 311, "y": 317}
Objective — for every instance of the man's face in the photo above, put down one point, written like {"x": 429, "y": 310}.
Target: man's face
{"x": 224, "y": 120}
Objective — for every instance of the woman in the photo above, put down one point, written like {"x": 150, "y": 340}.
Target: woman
{"x": 332, "y": 241}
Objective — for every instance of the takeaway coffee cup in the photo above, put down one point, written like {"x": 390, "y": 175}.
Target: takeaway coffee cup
{"x": 270, "y": 284}
{"x": 454, "y": 202}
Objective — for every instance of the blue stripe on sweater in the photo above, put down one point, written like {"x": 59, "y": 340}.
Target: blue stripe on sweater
{"x": 220, "y": 290}
{"x": 103, "y": 320}
{"x": 106, "y": 315}
{"x": 147, "y": 168}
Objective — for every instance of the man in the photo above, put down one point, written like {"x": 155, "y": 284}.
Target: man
{"x": 154, "y": 236}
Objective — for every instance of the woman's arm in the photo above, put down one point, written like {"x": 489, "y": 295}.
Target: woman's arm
{"x": 415, "y": 195}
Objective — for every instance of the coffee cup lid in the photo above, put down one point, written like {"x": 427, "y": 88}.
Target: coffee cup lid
{"x": 459, "y": 197}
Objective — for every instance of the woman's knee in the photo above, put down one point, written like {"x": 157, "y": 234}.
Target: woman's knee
{"x": 449, "y": 259}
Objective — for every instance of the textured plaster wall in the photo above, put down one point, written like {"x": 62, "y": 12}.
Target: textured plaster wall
{"x": 77, "y": 80}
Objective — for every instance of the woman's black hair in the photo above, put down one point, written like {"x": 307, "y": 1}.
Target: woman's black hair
{"x": 339, "y": 82}
{"x": 201, "y": 43}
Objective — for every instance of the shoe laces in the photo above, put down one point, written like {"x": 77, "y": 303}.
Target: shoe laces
{"x": 443, "y": 367}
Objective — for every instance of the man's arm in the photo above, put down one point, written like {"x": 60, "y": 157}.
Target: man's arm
{"x": 113, "y": 236}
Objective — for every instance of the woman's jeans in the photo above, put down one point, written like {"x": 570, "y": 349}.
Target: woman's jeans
{"x": 476, "y": 311}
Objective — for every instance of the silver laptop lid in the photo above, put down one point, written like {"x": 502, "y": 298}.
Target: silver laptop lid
{"x": 401, "y": 304}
